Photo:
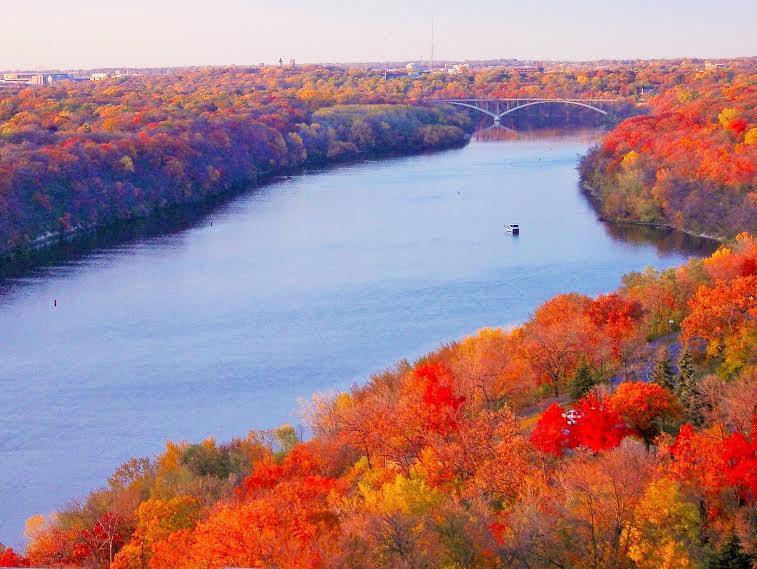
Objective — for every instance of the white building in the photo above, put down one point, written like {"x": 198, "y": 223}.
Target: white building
{"x": 458, "y": 69}
{"x": 24, "y": 78}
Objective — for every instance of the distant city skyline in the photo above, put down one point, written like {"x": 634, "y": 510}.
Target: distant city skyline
{"x": 72, "y": 34}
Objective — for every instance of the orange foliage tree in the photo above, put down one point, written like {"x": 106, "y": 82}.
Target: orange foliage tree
{"x": 644, "y": 407}
{"x": 725, "y": 316}
{"x": 556, "y": 338}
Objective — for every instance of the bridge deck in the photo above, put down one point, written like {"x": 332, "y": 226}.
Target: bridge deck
{"x": 513, "y": 100}
{"x": 512, "y": 104}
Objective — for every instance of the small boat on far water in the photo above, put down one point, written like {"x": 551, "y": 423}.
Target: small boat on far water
{"x": 512, "y": 228}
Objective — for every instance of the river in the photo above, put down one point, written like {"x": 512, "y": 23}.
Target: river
{"x": 304, "y": 285}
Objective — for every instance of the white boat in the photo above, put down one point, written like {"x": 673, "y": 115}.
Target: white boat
{"x": 512, "y": 228}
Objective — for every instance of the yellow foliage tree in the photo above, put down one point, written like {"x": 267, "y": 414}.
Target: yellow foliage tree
{"x": 727, "y": 116}
{"x": 409, "y": 496}
{"x": 156, "y": 520}
{"x": 630, "y": 160}
{"x": 665, "y": 528}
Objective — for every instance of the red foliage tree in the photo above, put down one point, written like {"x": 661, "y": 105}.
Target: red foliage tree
{"x": 439, "y": 400}
{"x": 599, "y": 427}
{"x": 101, "y": 542}
{"x": 698, "y": 460}
{"x": 615, "y": 317}
{"x": 9, "y": 558}
{"x": 740, "y": 463}
{"x": 551, "y": 434}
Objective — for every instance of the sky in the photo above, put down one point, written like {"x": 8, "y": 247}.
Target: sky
{"x": 73, "y": 34}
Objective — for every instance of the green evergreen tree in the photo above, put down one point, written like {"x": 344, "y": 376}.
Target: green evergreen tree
{"x": 662, "y": 373}
{"x": 582, "y": 383}
{"x": 686, "y": 387}
{"x": 731, "y": 556}
{"x": 685, "y": 366}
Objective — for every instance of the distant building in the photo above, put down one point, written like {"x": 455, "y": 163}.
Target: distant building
{"x": 34, "y": 78}
{"x": 415, "y": 69}
{"x": 55, "y": 77}
{"x": 709, "y": 65}
{"x": 292, "y": 63}
{"x": 15, "y": 78}
{"x": 98, "y": 76}
{"x": 458, "y": 69}
{"x": 646, "y": 91}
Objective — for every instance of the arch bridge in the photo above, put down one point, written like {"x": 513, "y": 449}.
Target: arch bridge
{"x": 498, "y": 108}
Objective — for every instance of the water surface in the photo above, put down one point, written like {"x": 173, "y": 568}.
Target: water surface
{"x": 304, "y": 285}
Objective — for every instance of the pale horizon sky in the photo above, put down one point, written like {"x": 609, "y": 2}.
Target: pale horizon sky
{"x": 81, "y": 34}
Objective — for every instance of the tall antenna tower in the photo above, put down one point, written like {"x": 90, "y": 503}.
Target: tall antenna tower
{"x": 431, "y": 68}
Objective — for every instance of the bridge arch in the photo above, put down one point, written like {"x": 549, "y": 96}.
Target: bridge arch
{"x": 564, "y": 101}
{"x": 477, "y": 105}
{"x": 473, "y": 106}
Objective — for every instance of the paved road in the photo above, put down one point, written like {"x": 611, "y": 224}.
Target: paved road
{"x": 674, "y": 350}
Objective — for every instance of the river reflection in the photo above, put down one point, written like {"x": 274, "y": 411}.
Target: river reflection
{"x": 665, "y": 241}
{"x": 217, "y": 320}
{"x": 503, "y": 133}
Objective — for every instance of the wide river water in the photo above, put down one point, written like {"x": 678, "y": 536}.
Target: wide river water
{"x": 304, "y": 285}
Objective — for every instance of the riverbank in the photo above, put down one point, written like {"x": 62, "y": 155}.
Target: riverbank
{"x": 63, "y": 246}
{"x": 446, "y": 138}
{"x": 595, "y": 198}
{"x": 77, "y": 183}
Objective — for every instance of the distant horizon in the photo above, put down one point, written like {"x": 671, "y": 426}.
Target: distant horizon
{"x": 86, "y": 34}
{"x": 398, "y": 62}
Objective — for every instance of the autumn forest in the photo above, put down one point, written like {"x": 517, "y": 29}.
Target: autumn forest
{"x": 75, "y": 156}
{"x": 610, "y": 431}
